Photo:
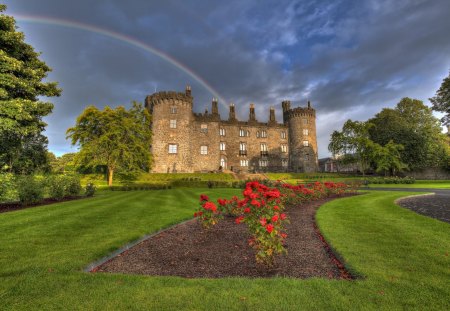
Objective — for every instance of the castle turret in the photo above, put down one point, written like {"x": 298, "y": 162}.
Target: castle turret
{"x": 302, "y": 137}
{"x": 171, "y": 118}
{"x": 272, "y": 115}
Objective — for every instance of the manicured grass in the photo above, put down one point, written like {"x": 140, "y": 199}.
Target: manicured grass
{"x": 402, "y": 256}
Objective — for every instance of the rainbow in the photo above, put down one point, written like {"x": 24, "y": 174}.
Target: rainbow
{"x": 123, "y": 38}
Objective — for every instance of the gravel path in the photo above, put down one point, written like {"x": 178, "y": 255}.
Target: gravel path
{"x": 435, "y": 206}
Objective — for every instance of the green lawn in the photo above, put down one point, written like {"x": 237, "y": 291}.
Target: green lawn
{"x": 418, "y": 184}
{"x": 402, "y": 256}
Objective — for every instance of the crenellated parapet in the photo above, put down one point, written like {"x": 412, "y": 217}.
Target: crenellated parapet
{"x": 299, "y": 112}
{"x": 169, "y": 97}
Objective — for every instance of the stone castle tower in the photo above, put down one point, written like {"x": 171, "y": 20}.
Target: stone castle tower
{"x": 184, "y": 141}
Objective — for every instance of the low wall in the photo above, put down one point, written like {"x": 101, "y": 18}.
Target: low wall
{"x": 429, "y": 173}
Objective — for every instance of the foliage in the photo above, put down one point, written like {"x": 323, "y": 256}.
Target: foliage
{"x": 30, "y": 189}
{"x": 23, "y": 148}
{"x": 391, "y": 180}
{"x": 62, "y": 164}
{"x": 55, "y": 185}
{"x": 72, "y": 185}
{"x": 7, "y": 187}
{"x": 441, "y": 101}
{"x": 388, "y": 158}
{"x": 412, "y": 125}
{"x": 117, "y": 138}
{"x": 90, "y": 189}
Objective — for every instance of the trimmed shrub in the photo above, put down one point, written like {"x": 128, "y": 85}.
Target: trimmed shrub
{"x": 55, "y": 186}
{"x": 89, "y": 190}
{"x": 72, "y": 185}
{"x": 29, "y": 189}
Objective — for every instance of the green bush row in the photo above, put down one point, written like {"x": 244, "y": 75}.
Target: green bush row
{"x": 391, "y": 180}
{"x": 132, "y": 187}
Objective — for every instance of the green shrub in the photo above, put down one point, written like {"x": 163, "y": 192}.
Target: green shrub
{"x": 30, "y": 190}
{"x": 89, "y": 190}
{"x": 7, "y": 187}
{"x": 72, "y": 185}
{"x": 55, "y": 186}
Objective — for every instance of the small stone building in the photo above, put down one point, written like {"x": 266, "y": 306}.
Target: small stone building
{"x": 184, "y": 141}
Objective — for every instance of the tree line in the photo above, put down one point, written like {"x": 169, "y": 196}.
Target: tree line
{"x": 406, "y": 137}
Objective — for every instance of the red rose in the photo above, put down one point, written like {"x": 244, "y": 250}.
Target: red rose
{"x": 255, "y": 203}
{"x": 263, "y": 221}
{"x": 247, "y": 210}
{"x": 222, "y": 202}
{"x": 247, "y": 191}
{"x": 239, "y": 219}
{"x": 276, "y": 207}
{"x": 269, "y": 228}
{"x": 283, "y": 216}
{"x": 195, "y": 214}
{"x": 203, "y": 197}
{"x": 210, "y": 206}
{"x": 284, "y": 235}
{"x": 274, "y": 218}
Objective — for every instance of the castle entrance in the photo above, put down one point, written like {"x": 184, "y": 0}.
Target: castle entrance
{"x": 223, "y": 163}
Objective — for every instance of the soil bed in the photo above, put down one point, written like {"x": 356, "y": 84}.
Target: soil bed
{"x": 434, "y": 206}
{"x": 186, "y": 250}
{"x": 15, "y": 206}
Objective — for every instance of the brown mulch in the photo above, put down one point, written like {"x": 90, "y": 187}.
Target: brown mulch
{"x": 434, "y": 206}
{"x": 15, "y": 206}
{"x": 186, "y": 250}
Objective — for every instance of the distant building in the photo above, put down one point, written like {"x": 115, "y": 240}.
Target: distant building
{"x": 331, "y": 165}
{"x": 184, "y": 141}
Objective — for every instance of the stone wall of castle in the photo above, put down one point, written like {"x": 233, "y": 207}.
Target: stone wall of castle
{"x": 187, "y": 142}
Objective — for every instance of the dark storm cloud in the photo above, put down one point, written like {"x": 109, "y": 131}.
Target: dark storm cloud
{"x": 350, "y": 58}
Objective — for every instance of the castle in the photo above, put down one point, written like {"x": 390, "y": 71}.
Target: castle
{"x": 184, "y": 141}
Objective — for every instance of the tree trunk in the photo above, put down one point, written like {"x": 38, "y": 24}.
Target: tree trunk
{"x": 110, "y": 176}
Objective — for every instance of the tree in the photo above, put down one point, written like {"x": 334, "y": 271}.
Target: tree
{"x": 21, "y": 112}
{"x": 337, "y": 147}
{"x": 412, "y": 125}
{"x": 117, "y": 138}
{"x": 388, "y": 158}
{"x": 441, "y": 101}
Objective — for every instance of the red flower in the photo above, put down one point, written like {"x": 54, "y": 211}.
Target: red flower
{"x": 247, "y": 210}
{"x": 203, "y": 197}
{"x": 269, "y": 228}
{"x": 247, "y": 191}
{"x": 263, "y": 221}
{"x": 222, "y": 202}
{"x": 275, "y": 218}
{"x": 276, "y": 207}
{"x": 283, "y": 216}
{"x": 239, "y": 219}
{"x": 210, "y": 206}
{"x": 284, "y": 235}
{"x": 255, "y": 203}
{"x": 195, "y": 214}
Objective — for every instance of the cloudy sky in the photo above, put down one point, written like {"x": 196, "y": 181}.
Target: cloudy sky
{"x": 350, "y": 58}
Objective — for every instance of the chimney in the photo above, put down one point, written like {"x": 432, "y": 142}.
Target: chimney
{"x": 309, "y": 104}
{"x": 188, "y": 90}
{"x": 272, "y": 115}
{"x": 252, "y": 116}
{"x": 214, "y": 107}
{"x": 232, "y": 115}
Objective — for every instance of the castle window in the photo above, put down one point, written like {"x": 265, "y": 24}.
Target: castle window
{"x": 284, "y": 162}
{"x": 305, "y": 132}
{"x": 222, "y": 132}
{"x": 257, "y": 134}
{"x": 263, "y": 147}
{"x": 305, "y": 143}
{"x": 305, "y": 121}
{"x": 247, "y": 133}
{"x": 173, "y": 110}
{"x": 242, "y": 149}
{"x": 244, "y": 162}
{"x": 222, "y": 146}
{"x": 241, "y": 133}
{"x": 263, "y": 134}
{"x": 307, "y": 157}
{"x": 283, "y": 148}
{"x": 173, "y": 124}
{"x": 203, "y": 149}
{"x": 204, "y": 128}
{"x": 283, "y": 135}
{"x": 173, "y": 148}
{"x": 263, "y": 163}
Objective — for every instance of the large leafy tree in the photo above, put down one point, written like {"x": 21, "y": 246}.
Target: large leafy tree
{"x": 117, "y": 138}
{"x": 388, "y": 158}
{"x": 411, "y": 124}
{"x": 23, "y": 147}
{"x": 441, "y": 101}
